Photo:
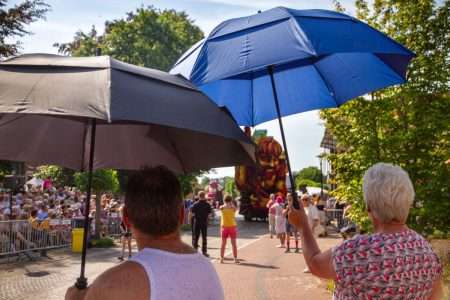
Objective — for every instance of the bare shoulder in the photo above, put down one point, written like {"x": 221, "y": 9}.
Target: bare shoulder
{"x": 125, "y": 281}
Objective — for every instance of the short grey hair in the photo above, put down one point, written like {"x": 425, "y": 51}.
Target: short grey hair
{"x": 388, "y": 192}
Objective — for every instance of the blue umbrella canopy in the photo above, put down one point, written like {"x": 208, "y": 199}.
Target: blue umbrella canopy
{"x": 319, "y": 59}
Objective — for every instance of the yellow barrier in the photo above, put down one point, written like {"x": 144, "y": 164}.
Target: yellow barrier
{"x": 77, "y": 239}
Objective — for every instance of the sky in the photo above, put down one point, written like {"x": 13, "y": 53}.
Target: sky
{"x": 303, "y": 131}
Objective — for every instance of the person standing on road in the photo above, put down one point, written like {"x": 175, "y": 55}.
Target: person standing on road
{"x": 228, "y": 227}
{"x": 192, "y": 221}
{"x": 311, "y": 212}
{"x": 165, "y": 267}
{"x": 201, "y": 211}
{"x": 312, "y": 215}
{"x": 271, "y": 213}
{"x": 280, "y": 221}
{"x": 126, "y": 235}
{"x": 394, "y": 262}
{"x": 290, "y": 229}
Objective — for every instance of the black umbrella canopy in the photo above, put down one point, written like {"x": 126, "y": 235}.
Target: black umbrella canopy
{"x": 143, "y": 116}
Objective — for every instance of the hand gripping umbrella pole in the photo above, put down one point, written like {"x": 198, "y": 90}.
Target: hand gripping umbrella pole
{"x": 81, "y": 282}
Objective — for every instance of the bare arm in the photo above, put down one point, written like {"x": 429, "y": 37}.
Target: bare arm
{"x": 125, "y": 281}
{"x": 320, "y": 263}
{"x": 316, "y": 223}
{"x": 437, "y": 292}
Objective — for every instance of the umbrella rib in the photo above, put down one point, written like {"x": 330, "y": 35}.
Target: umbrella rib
{"x": 174, "y": 146}
{"x": 13, "y": 120}
{"x": 83, "y": 149}
{"x": 253, "y": 102}
{"x": 327, "y": 84}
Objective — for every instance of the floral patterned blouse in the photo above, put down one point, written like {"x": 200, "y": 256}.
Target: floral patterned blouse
{"x": 385, "y": 266}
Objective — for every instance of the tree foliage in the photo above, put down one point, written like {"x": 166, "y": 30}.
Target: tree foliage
{"x": 188, "y": 182}
{"x": 204, "y": 182}
{"x": 105, "y": 180}
{"x": 60, "y": 176}
{"x": 301, "y": 183}
{"x": 310, "y": 173}
{"x": 5, "y": 168}
{"x": 13, "y": 21}
{"x": 148, "y": 37}
{"x": 230, "y": 187}
{"x": 408, "y": 125}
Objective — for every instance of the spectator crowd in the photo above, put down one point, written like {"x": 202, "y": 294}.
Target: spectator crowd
{"x": 37, "y": 216}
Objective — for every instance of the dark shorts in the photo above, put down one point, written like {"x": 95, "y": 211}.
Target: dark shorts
{"x": 126, "y": 234}
{"x": 290, "y": 228}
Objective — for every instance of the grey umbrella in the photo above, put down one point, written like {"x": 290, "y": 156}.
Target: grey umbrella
{"x": 96, "y": 112}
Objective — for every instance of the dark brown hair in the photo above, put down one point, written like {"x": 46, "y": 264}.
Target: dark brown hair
{"x": 228, "y": 198}
{"x": 153, "y": 201}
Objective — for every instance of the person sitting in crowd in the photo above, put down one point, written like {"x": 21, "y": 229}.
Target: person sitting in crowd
{"x": 164, "y": 267}
{"x": 42, "y": 212}
{"x": 394, "y": 262}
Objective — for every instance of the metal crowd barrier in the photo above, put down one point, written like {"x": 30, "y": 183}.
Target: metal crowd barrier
{"x": 113, "y": 226}
{"x": 333, "y": 214}
{"x": 22, "y": 237}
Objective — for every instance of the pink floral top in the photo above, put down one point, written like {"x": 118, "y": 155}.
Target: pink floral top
{"x": 385, "y": 266}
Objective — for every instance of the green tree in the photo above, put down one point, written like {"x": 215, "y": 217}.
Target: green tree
{"x": 204, "y": 182}
{"x": 105, "y": 180}
{"x": 148, "y": 37}
{"x": 230, "y": 187}
{"x": 5, "y": 168}
{"x": 14, "y": 20}
{"x": 188, "y": 182}
{"x": 407, "y": 125}
{"x": 60, "y": 176}
{"x": 303, "y": 182}
{"x": 310, "y": 173}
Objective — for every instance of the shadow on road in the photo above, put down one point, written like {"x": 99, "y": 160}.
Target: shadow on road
{"x": 247, "y": 264}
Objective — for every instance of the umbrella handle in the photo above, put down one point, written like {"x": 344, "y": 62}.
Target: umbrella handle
{"x": 277, "y": 105}
{"x": 81, "y": 282}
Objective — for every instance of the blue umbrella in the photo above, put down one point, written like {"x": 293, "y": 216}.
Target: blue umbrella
{"x": 284, "y": 61}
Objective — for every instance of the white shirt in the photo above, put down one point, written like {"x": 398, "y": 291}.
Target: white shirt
{"x": 312, "y": 213}
{"x": 175, "y": 276}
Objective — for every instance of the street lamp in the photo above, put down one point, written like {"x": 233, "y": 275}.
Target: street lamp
{"x": 321, "y": 156}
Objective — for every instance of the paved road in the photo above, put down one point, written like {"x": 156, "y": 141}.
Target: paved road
{"x": 49, "y": 278}
{"x": 265, "y": 272}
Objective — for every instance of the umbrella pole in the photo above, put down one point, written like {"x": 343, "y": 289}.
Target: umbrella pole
{"x": 81, "y": 282}
{"x": 280, "y": 122}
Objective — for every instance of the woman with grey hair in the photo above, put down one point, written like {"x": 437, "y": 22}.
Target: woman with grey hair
{"x": 394, "y": 262}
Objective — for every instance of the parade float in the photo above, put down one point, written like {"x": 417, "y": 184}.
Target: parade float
{"x": 214, "y": 192}
{"x": 268, "y": 176}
